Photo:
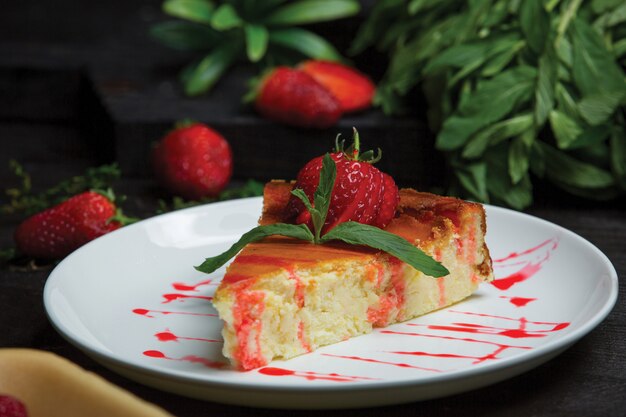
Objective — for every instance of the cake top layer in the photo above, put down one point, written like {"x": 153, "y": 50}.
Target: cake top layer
{"x": 420, "y": 217}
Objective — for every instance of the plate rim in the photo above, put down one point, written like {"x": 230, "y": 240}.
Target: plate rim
{"x": 556, "y": 344}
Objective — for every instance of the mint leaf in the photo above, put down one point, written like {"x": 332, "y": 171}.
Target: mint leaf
{"x": 256, "y": 41}
{"x": 184, "y": 36}
{"x": 225, "y": 17}
{"x": 535, "y": 24}
{"x": 362, "y": 234}
{"x": 312, "y": 11}
{"x": 316, "y": 217}
{"x": 205, "y": 74}
{"x": 324, "y": 190}
{"x": 321, "y": 198}
{"x": 298, "y": 231}
{"x": 565, "y": 129}
{"x": 305, "y": 42}
{"x": 198, "y": 11}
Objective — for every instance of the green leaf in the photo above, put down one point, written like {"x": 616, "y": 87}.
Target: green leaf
{"x": 298, "y": 231}
{"x": 567, "y": 170}
{"x": 499, "y": 184}
{"x": 470, "y": 55}
{"x": 564, "y": 51}
{"x": 298, "y": 192}
{"x": 500, "y": 61}
{"x": 535, "y": 24}
{"x": 305, "y": 42}
{"x": 619, "y": 47}
{"x": 594, "y": 68}
{"x": 497, "y": 15}
{"x": 378, "y": 20}
{"x": 618, "y": 155}
{"x": 537, "y": 160}
{"x": 416, "y": 6}
{"x": 592, "y": 136}
{"x": 612, "y": 18}
{"x": 519, "y": 154}
{"x": 312, "y": 11}
{"x": 497, "y": 133}
{"x": 256, "y": 41}
{"x": 598, "y": 108}
{"x": 198, "y": 11}
{"x": 183, "y": 35}
{"x": 361, "y": 234}
{"x": 324, "y": 189}
{"x": 473, "y": 178}
{"x": 565, "y": 101}
{"x": 492, "y": 100}
{"x": 565, "y": 129}
{"x": 225, "y": 17}
{"x": 518, "y": 196}
{"x": 201, "y": 78}
{"x": 601, "y": 6}
{"x": 546, "y": 81}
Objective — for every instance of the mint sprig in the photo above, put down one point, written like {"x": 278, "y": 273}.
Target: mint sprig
{"x": 349, "y": 232}
{"x": 298, "y": 231}
{"x": 363, "y": 234}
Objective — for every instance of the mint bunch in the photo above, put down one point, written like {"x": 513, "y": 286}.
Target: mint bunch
{"x": 350, "y": 232}
{"x": 517, "y": 91}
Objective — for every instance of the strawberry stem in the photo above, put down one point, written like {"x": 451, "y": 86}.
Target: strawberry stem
{"x": 356, "y": 144}
{"x": 353, "y": 153}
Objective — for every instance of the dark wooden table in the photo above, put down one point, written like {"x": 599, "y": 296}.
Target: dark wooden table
{"x": 63, "y": 70}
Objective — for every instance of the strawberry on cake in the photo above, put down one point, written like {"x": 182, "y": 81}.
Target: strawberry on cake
{"x": 342, "y": 251}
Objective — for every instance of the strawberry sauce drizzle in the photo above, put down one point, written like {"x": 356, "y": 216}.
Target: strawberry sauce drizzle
{"x": 148, "y": 313}
{"x": 312, "y": 376}
{"x": 493, "y": 355}
{"x": 552, "y": 242}
{"x": 519, "y": 332}
{"x": 182, "y": 297}
{"x": 180, "y": 286}
{"x": 519, "y": 301}
{"x": 189, "y": 358}
{"x": 168, "y": 336}
{"x": 381, "y": 362}
{"x": 530, "y": 260}
{"x": 529, "y": 268}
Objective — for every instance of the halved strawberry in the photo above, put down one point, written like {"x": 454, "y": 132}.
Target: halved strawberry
{"x": 293, "y": 97}
{"x": 353, "y": 89}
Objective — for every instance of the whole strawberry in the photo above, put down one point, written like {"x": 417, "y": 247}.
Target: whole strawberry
{"x": 293, "y": 97}
{"x": 353, "y": 89}
{"x": 193, "y": 161}
{"x": 56, "y": 232}
{"x": 361, "y": 193}
{"x": 11, "y": 407}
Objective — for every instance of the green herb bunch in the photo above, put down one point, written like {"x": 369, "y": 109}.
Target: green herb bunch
{"x": 22, "y": 200}
{"x": 514, "y": 87}
{"x": 262, "y": 32}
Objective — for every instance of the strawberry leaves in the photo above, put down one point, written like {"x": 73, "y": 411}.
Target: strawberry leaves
{"x": 349, "y": 232}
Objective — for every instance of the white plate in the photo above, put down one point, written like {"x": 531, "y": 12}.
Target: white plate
{"x": 132, "y": 301}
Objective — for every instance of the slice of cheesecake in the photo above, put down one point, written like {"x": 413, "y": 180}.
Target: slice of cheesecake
{"x": 283, "y": 297}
